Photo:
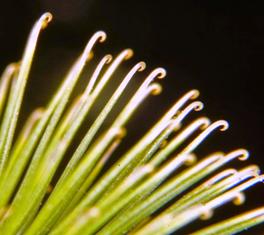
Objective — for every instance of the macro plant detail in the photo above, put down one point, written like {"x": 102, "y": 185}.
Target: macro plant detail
{"x": 87, "y": 199}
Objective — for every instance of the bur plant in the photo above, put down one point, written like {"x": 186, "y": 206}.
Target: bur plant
{"x": 157, "y": 186}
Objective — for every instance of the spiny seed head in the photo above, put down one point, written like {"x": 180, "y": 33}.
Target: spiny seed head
{"x": 88, "y": 198}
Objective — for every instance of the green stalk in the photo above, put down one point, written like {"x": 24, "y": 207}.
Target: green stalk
{"x": 178, "y": 220}
{"x": 14, "y": 103}
{"x": 111, "y": 176}
{"x": 17, "y": 164}
{"x": 47, "y": 218}
{"x": 168, "y": 191}
{"x": 234, "y": 225}
{"x": 27, "y": 200}
{"x": 118, "y": 199}
{"x": 90, "y": 179}
{"x": 5, "y": 82}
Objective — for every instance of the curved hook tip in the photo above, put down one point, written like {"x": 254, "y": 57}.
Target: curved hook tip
{"x": 156, "y": 88}
{"x": 161, "y": 73}
{"x": 142, "y": 66}
{"x": 101, "y": 36}
{"x": 129, "y": 53}
{"x": 45, "y": 19}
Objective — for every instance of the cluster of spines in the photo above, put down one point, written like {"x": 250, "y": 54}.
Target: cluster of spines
{"x": 126, "y": 195}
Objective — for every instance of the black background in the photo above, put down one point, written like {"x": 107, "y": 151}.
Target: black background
{"x": 214, "y": 46}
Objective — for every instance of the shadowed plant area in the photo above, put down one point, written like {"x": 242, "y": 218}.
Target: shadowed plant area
{"x": 157, "y": 186}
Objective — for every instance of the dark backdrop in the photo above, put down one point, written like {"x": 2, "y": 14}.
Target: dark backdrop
{"x": 215, "y": 46}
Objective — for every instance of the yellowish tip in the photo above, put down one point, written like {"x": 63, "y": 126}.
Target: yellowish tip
{"x": 129, "y": 53}
{"x": 239, "y": 199}
{"x": 194, "y": 94}
{"x": 142, "y": 66}
{"x": 161, "y": 73}
{"x": 156, "y": 88}
{"x": 101, "y": 35}
{"x": 224, "y": 125}
{"x": 45, "y": 19}
{"x": 121, "y": 133}
{"x": 207, "y": 214}
{"x": 108, "y": 59}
